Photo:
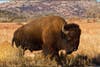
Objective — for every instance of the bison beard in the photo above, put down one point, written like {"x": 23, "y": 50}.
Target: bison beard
{"x": 51, "y": 34}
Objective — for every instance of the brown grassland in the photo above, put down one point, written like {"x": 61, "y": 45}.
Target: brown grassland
{"x": 87, "y": 54}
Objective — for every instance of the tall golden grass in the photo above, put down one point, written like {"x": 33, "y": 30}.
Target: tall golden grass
{"x": 88, "y": 51}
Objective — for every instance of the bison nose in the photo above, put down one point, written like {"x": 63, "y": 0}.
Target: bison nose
{"x": 69, "y": 52}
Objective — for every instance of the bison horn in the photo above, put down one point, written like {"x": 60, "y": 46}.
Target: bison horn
{"x": 64, "y": 30}
{"x": 62, "y": 52}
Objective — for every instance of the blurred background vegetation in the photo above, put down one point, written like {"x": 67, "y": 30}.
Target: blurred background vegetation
{"x": 20, "y": 11}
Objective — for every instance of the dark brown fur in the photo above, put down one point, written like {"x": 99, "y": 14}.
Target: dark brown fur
{"x": 46, "y": 33}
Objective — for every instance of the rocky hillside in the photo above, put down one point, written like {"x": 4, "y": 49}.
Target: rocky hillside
{"x": 24, "y": 10}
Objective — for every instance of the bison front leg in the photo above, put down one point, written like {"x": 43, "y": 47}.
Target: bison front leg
{"x": 61, "y": 60}
{"x": 47, "y": 50}
{"x": 53, "y": 54}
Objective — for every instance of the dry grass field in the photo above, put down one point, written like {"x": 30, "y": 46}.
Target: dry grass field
{"x": 88, "y": 51}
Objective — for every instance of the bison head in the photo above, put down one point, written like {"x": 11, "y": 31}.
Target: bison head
{"x": 71, "y": 38}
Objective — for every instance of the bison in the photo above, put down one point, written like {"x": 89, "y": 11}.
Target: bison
{"x": 50, "y": 34}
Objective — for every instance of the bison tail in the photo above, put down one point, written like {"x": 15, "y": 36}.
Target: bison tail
{"x": 13, "y": 42}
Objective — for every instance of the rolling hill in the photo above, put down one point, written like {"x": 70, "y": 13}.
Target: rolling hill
{"x": 23, "y": 10}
